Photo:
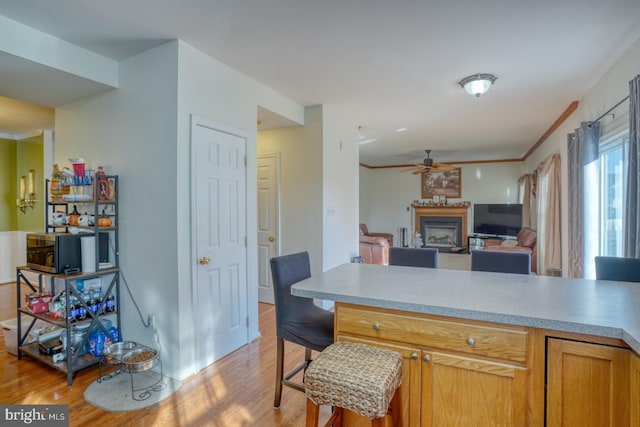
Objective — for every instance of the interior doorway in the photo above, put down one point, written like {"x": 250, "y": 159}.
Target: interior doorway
{"x": 268, "y": 222}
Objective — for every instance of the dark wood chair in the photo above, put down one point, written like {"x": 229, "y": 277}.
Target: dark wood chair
{"x": 414, "y": 257}
{"x": 614, "y": 268}
{"x": 501, "y": 262}
{"x": 298, "y": 320}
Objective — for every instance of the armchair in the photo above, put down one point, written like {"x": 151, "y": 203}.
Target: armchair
{"x": 374, "y": 250}
{"x": 364, "y": 231}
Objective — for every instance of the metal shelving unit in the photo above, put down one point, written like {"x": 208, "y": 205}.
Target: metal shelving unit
{"x": 73, "y": 358}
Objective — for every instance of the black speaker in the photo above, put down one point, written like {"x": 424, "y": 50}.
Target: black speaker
{"x": 103, "y": 247}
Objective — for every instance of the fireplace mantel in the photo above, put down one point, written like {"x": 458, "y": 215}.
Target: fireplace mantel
{"x": 442, "y": 211}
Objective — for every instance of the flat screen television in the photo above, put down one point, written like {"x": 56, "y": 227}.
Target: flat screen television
{"x": 497, "y": 219}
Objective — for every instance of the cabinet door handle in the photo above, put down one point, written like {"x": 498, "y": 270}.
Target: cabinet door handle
{"x": 205, "y": 260}
{"x": 471, "y": 341}
{"x": 414, "y": 356}
{"x": 271, "y": 238}
{"x": 376, "y": 326}
{"x": 427, "y": 358}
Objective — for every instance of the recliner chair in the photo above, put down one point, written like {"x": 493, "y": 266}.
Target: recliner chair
{"x": 298, "y": 319}
{"x": 364, "y": 231}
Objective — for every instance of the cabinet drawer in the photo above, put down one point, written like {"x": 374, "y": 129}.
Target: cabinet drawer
{"x": 454, "y": 335}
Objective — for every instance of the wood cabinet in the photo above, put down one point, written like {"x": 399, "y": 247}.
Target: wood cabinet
{"x": 459, "y": 372}
{"x": 588, "y": 384}
{"x": 455, "y": 372}
{"x": 634, "y": 395}
{"x": 467, "y": 391}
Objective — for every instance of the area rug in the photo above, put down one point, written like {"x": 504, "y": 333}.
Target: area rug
{"x": 114, "y": 392}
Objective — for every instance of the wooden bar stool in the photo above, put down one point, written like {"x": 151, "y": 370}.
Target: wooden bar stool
{"x": 358, "y": 377}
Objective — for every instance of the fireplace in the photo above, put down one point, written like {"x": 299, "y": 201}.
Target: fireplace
{"x": 441, "y": 232}
{"x": 442, "y": 227}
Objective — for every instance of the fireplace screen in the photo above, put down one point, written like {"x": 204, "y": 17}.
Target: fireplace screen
{"x": 441, "y": 232}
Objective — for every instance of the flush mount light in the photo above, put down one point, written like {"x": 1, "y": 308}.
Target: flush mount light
{"x": 477, "y": 84}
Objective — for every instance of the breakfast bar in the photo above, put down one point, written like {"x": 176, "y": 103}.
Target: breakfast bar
{"x": 492, "y": 348}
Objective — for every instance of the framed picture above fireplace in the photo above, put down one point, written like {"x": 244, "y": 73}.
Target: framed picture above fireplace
{"x": 448, "y": 184}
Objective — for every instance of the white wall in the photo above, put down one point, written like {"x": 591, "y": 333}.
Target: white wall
{"x": 607, "y": 92}
{"x": 388, "y": 193}
{"x": 340, "y": 188}
{"x": 301, "y": 205}
{"x": 142, "y": 133}
{"x": 132, "y": 133}
{"x": 13, "y": 253}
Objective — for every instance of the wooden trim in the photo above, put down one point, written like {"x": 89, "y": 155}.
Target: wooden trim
{"x": 464, "y": 162}
{"x": 536, "y": 380}
{"x": 570, "y": 109}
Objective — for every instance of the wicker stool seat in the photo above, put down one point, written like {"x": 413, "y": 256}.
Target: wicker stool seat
{"x": 358, "y": 377}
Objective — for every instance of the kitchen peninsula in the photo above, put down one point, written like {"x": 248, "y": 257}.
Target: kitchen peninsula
{"x": 493, "y": 348}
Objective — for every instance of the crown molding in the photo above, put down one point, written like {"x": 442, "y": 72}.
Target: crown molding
{"x": 22, "y": 135}
{"x": 465, "y": 162}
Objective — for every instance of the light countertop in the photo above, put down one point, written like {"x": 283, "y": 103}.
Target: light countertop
{"x": 601, "y": 308}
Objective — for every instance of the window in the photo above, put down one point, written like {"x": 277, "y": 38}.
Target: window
{"x": 605, "y": 188}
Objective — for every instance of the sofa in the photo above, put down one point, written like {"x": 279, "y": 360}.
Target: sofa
{"x": 374, "y": 250}
{"x": 364, "y": 231}
{"x": 525, "y": 242}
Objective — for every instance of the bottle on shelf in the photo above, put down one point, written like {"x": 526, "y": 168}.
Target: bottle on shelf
{"x": 58, "y": 189}
{"x": 103, "y": 184}
{"x": 110, "y": 307}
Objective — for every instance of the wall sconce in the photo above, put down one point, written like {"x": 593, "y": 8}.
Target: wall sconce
{"x": 27, "y": 192}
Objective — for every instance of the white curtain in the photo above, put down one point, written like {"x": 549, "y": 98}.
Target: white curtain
{"x": 548, "y": 195}
{"x": 524, "y": 198}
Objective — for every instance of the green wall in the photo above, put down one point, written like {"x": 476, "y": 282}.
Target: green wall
{"x": 8, "y": 185}
{"x": 16, "y": 159}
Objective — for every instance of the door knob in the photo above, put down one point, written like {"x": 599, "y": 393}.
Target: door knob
{"x": 205, "y": 260}
{"x": 272, "y": 238}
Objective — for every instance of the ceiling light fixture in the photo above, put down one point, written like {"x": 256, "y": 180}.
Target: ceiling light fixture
{"x": 477, "y": 84}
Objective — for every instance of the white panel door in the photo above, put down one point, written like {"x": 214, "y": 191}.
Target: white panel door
{"x": 220, "y": 295}
{"x": 268, "y": 222}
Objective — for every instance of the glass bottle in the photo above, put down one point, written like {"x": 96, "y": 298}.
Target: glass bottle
{"x": 103, "y": 184}
{"x": 56, "y": 185}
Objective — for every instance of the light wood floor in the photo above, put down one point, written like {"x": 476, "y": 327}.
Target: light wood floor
{"x": 235, "y": 391}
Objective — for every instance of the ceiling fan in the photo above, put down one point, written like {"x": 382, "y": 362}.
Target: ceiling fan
{"x": 428, "y": 165}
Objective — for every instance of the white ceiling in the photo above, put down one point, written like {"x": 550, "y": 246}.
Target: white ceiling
{"x": 391, "y": 64}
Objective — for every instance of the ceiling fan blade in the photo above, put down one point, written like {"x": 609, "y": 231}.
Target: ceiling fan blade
{"x": 443, "y": 166}
{"x": 410, "y": 168}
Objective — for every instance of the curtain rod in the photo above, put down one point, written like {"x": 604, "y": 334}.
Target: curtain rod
{"x": 609, "y": 110}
